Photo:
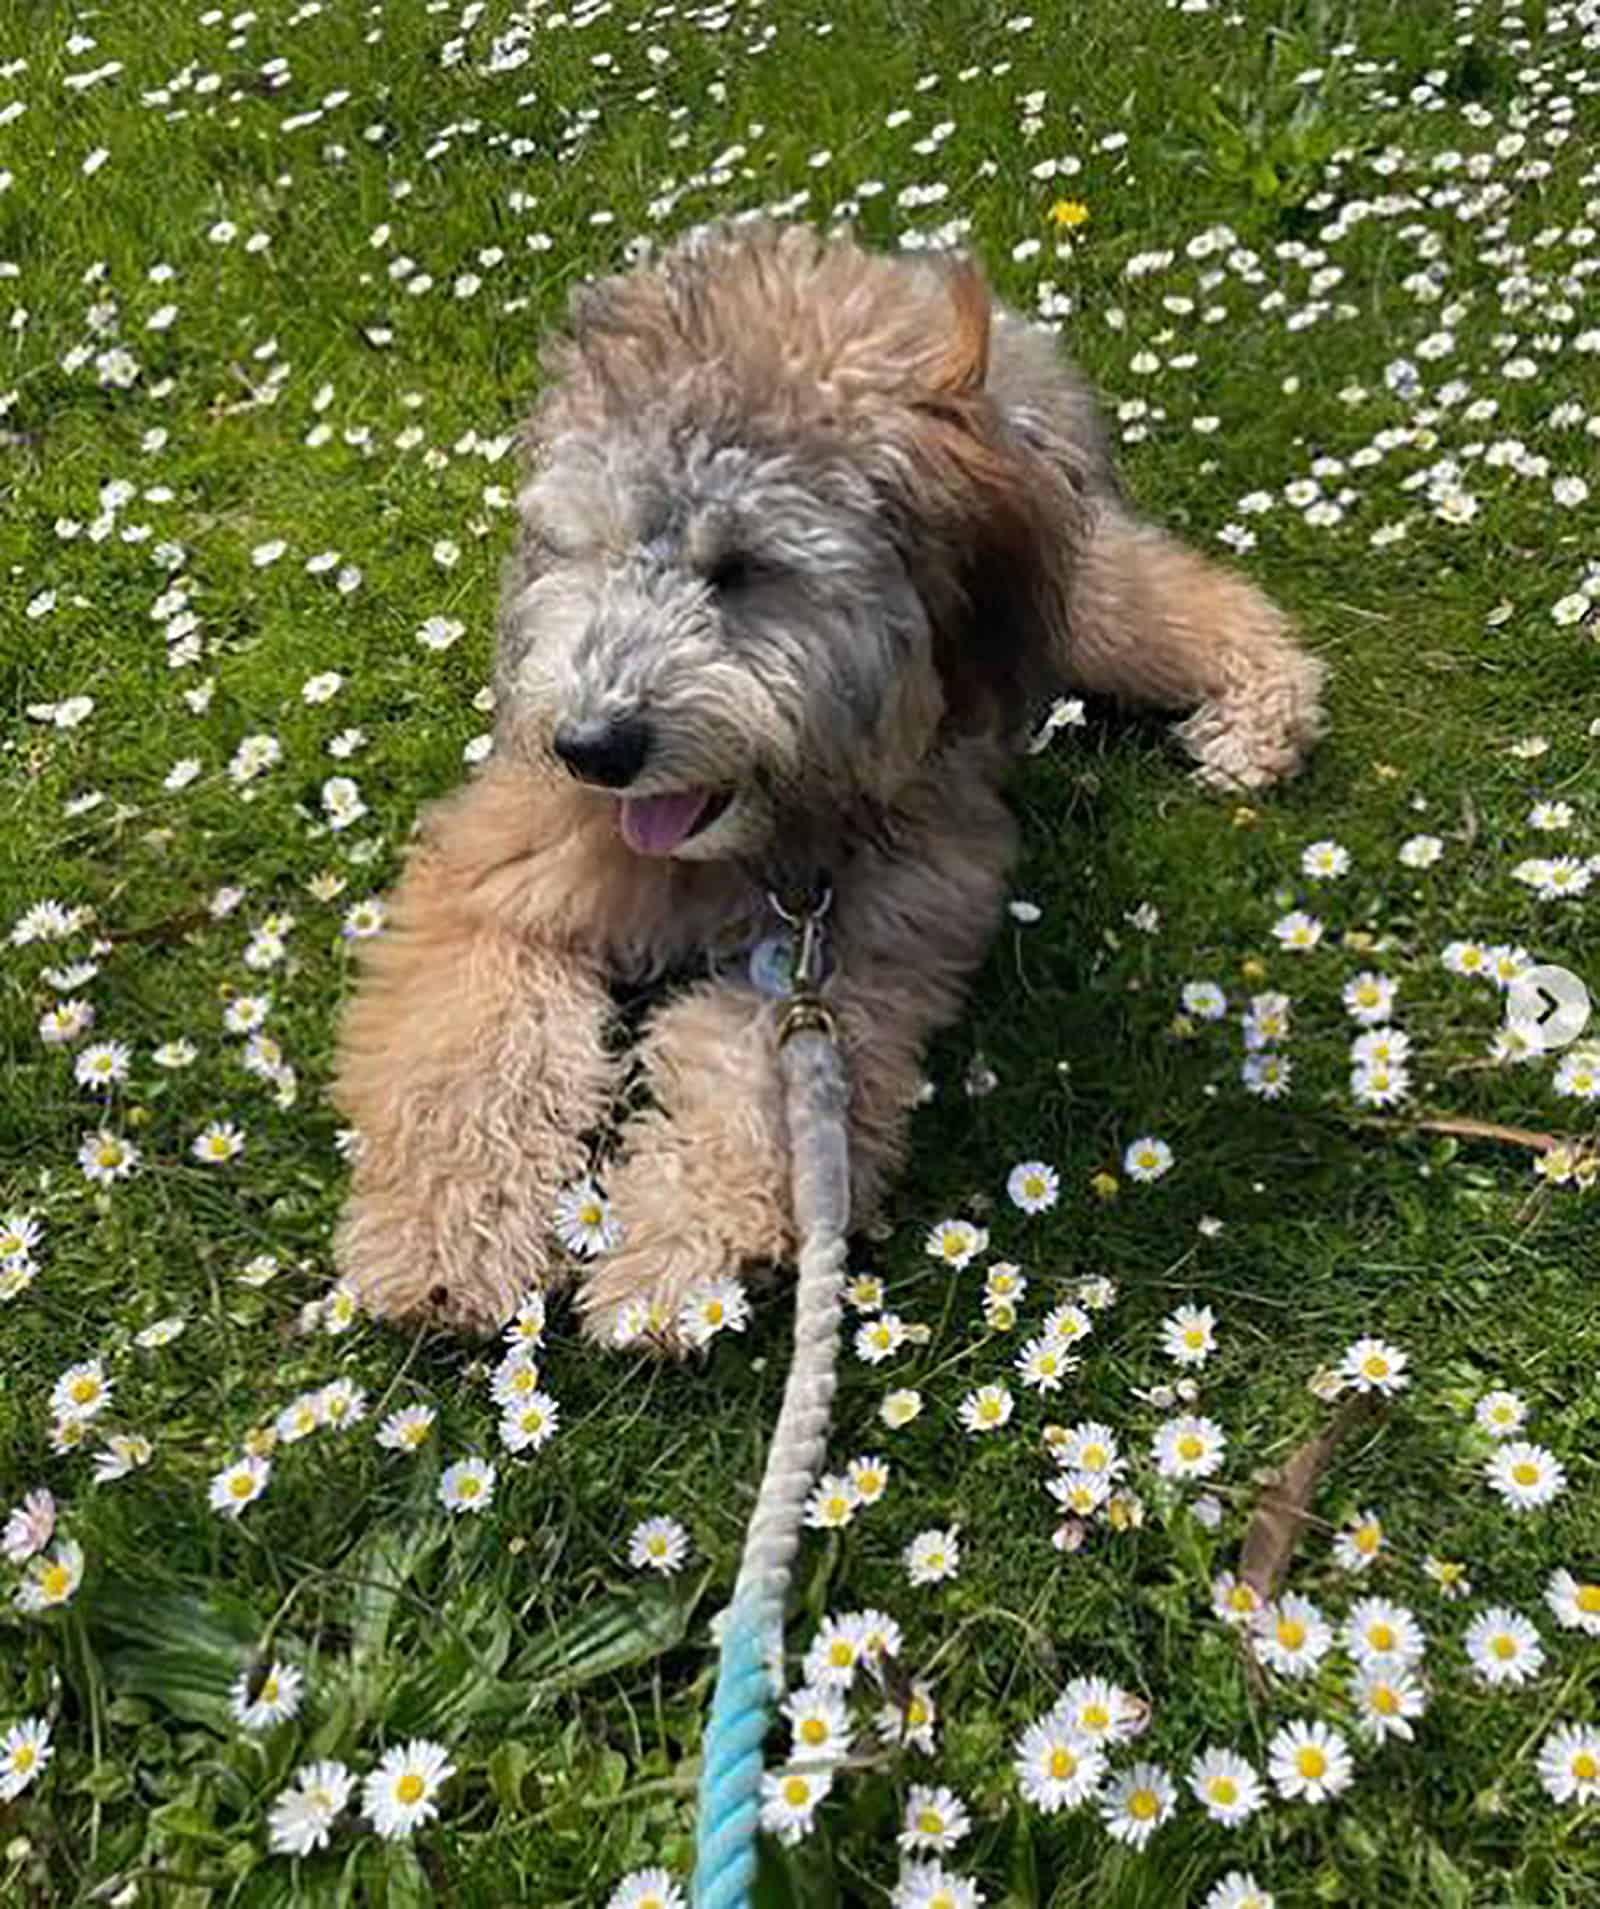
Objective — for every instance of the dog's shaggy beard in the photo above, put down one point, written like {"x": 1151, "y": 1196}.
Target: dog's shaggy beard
{"x": 754, "y": 613}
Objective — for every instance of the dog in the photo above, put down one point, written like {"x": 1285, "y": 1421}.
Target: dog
{"x": 809, "y": 537}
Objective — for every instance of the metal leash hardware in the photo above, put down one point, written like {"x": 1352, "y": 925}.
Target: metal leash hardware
{"x": 804, "y": 1007}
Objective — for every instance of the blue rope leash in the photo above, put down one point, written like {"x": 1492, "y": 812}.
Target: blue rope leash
{"x": 730, "y": 1775}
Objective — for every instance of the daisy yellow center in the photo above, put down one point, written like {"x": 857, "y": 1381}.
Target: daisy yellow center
{"x": 1191, "y": 1446}
{"x": 657, "y": 1547}
{"x": 409, "y": 1789}
{"x": 796, "y": 1792}
{"x": 935, "y": 1560}
{"x": 470, "y": 1487}
{"x": 1146, "y": 1160}
{"x": 1241, "y": 1598}
{"x": 589, "y": 1214}
{"x": 1366, "y": 1539}
{"x": 916, "y": 1713}
{"x": 337, "y": 1407}
{"x": 1143, "y": 1804}
{"x": 269, "y": 1691}
{"x": 1503, "y": 1647}
{"x": 1033, "y": 1186}
{"x": 1525, "y": 1474}
{"x": 1194, "y": 1338}
{"x": 989, "y": 1409}
{"x": 1093, "y": 1458}
{"x": 1291, "y": 1633}
{"x": 1095, "y": 1717}
{"x": 1063, "y": 1764}
{"x": 109, "y": 1157}
{"x": 85, "y": 1390}
{"x": 841, "y": 1654}
{"x": 1380, "y": 1637}
{"x": 1310, "y": 1762}
{"x": 714, "y": 1312}
{"x": 813, "y": 1730}
{"x": 1385, "y": 1702}
{"x": 23, "y": 1759}
{"x": 55, "y": 1580}
{"x": 1586, "y": 1766}
{"x": 242, "y": 1485}
{"x": 931, "y": 1823}
{"x": 1223, "y": 1789}
{"x": 1375, "y": 1366}
{"x": 1588, "y": 1599}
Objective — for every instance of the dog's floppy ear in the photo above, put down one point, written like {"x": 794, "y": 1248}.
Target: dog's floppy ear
{"x": 973, "y": 510}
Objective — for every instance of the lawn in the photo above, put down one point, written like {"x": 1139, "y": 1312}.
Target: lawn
{"x": 272, "y": 288}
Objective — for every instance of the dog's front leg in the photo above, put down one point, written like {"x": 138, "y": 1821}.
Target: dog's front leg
{"x": 471, "y": 1061}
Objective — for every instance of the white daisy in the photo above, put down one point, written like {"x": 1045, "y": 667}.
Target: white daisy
{"x": 987, "y": 1409}
{"x": 1525, "y": 1475}
{"x": 402, "y": 1792}
{"x": 1188, "y": 1447}
{"x": 956, "y": 1243}
{"x": 647, "y": 1889}
{"x": 1369, "y": 1365}
{"x": 932, "y": 1556}
{"x": 899, "y": 1408}
{"x": 1569, "y": 1763}
{"x": 1033, "y": 1186}
{"x": 218, "y": 1142}
{"x": 28, "y": 1527}
{"x": 1325, "y": 861}
{"x": 1309, "y": 1761}
{"x": 302, "y": 1815}
{"x": 25, "y": 1751}
{"x": 1042, "y": 1365}
{"x": 930, "y": 1885}
{"x": 1292, "y": 1636}
{"x": 658, "y": 1544}
{"x": 1147, "y": 1159}
{"x": 259, "y": 1700}
{"x": 1503, "y": 1647}
{"x": 1238, "y": 1890}
{"x": 408, "y": 1429}
{"x": 1065, "y": 1325}
{"x": 1189, "y": 1335}
{"x": 1380, "y": 1635}
{"x": 720, "y": 1306}
{"x": 583, "y": 1221}
{"x": 105, "y": 1157}
{"x": 832, "y": 1503}
{"x": 1137, "y": 1803}
{"x": 1226, "y": 1786}
{"x": 868, "y": 1477}
{"x": 1056, "y": 1768}
{"x": 935, "y": 1818}
{"x": 467, "y": 1485}
{"x": 239, "y": 1484}
{"x": 1359, "y": 1543}
{"x": 1369, "y": 998}
{"x": 1500, "y": 1414}
{"x": 1386, "y": 1701}
{"x": 1204, "y": 1000}
{"x": 1575, "y": 1603}
{"x": 1099, "y": 1711}
{"x": 1297, "y": 931}
{"x": 82, "y": 1391}
{"x": 530, "y": 1423}
{"x": 819, "y": 1724}
{"x": 52, "y": 1579}
{"x": 789, "y": 1799}
{"x": 836, "y": 1653}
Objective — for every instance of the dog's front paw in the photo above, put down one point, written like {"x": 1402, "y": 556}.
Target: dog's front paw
{"x": 446, "y": 1253}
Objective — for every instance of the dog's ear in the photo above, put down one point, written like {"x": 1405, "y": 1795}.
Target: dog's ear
{"x": 962, "y": 366}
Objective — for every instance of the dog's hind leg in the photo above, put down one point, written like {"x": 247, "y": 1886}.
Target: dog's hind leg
{"x": 1151, "y": 622}
{"x": 471, "y": 1060}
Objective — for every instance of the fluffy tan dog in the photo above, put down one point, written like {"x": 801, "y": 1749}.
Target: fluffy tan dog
{"x": 810, "y": 535}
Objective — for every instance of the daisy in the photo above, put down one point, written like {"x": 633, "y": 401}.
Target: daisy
{"x": 299, "y": 1419}
{"x": 832, "y": 1504}
{"x": 1369, "y": 998}
{"x": 161, "y": 1333}
{"x": 1380, "y": 1046}
{"x": 880, "y": 1338}
{"x": 1380, "y": 1635}
{"x": 880, "y": 1636}
{"x": 406, "y": 1430}
{"x": 935, "y": 1819}
{"x": 836, "y": 1653}
{"x": 1420, "y": 851}
{"x": 1469, "y": 958}
{"x": 658, "y": 1544}
{"x": 1042, "y": 1365}
{"x": 1292, "y": 1636}
{"x": 932, "y": 1886}
{"x": 1309, "y": 1761}
{"x": 1089, "y": 1447}
{"x": 1147, "y": 1159}
{"x": 1238, "y": 1890}
{"x": 1267, "y": 1076}
{"x": 1056, "y": 1768}
{"x": 1234, "y": 1601}
{"x": 239, "y": 1484}
{"x": 1386, "y": 1701}
{"x": 220, "y": 1141}
{"x": 52, "y": 1579}
{"x": 1569, "y": 1763}
{"x": 900, "y": 1408}
{"x": 1357, "y": 1546}
{"x": 956, "y": 1242}
{"x": 1298, "y": 932}
{"x": 515, "y": 1378}
{"x": 819, "y": 1723}
{"x": 647, "y": 1889}
{"x": 1503, "y": 1647}
{"x": 24, "y": 1752}
{"x": 467, "y": 1485}
{"x": 400, "y": 1794}
{"x": 1188, "y": 1447}
{"x": 986, "y": 1409}
{"x": 909, "y": 1722}
{"x": 1525, "y": 1475}
{"x": 1138, "y": 1803}
{"x": 1033, "y": 1186}
{"x": 1577, "y": 1075}
{"x": 82, "y": 1391}
{"x": 124, "y": 1452}
{"x": 28, "y": 1527}
{"x": 1004, "y": 1280}
{"x": 530, "y": 1424}
{"x": 1189, "y": 1335}
{"x": 869, "y": 1478}
{"x": 342, "y": 1403}
{"x": 1576, "y": 1605}
{"x": 933, "y": 1556}
{"x": 720, "y": 1306}
{"x": 1099, "y": 1712}
{"x": 1371, "y": 1366}
{"x": 1066, "y": 1325}
{"x": 528, "y": 1323}
{"x": 1379, "y": 1084}
{"x": 583, "y": 1221}
{"x": 1204, "y": 1000}
{"x": 105, "y": 1157}
{"x": 789, "y": 1800}
{"x": 1325, "y": 861}
{"x": 102, "y": 1066}
{"x": 1082, "y": 1493}
{"x": 302, "y": 1815}
{"x": 864, "y": 1293}
{"x": 1227, "y": 1787}
{"x": 20, "y": 1233}
{"x": 259, "y": 1702}
{"x": 1500, "y": 1414}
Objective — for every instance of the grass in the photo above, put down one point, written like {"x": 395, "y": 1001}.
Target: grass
{"x": 568, "y": 1692}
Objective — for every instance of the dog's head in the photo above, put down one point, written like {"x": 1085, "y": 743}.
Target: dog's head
{"x": 776, "y": 540}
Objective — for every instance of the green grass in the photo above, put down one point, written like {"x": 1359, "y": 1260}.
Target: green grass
{"x": 569, "y": 1694}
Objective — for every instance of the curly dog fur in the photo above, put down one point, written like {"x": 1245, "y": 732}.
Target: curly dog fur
{"x": 808, "y": 534}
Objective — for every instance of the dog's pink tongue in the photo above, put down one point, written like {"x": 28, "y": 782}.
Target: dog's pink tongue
{"x": 656, "y": 824}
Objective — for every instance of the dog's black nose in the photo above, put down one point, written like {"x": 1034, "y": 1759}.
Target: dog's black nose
{"x": 610, "y": 753}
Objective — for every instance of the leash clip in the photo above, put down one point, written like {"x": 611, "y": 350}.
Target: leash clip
{"x": 808, "y": 965}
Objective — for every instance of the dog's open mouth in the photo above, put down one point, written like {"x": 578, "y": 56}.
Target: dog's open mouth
{"x": 658, "y": 824}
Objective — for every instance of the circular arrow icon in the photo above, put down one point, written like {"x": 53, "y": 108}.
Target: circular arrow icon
{"x": 1548, "y": 1007}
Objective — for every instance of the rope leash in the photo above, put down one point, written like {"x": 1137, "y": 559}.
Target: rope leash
{"x": 750, "y": 1665}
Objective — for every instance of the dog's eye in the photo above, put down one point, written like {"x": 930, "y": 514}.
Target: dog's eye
{"x": 731, "y": 572}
